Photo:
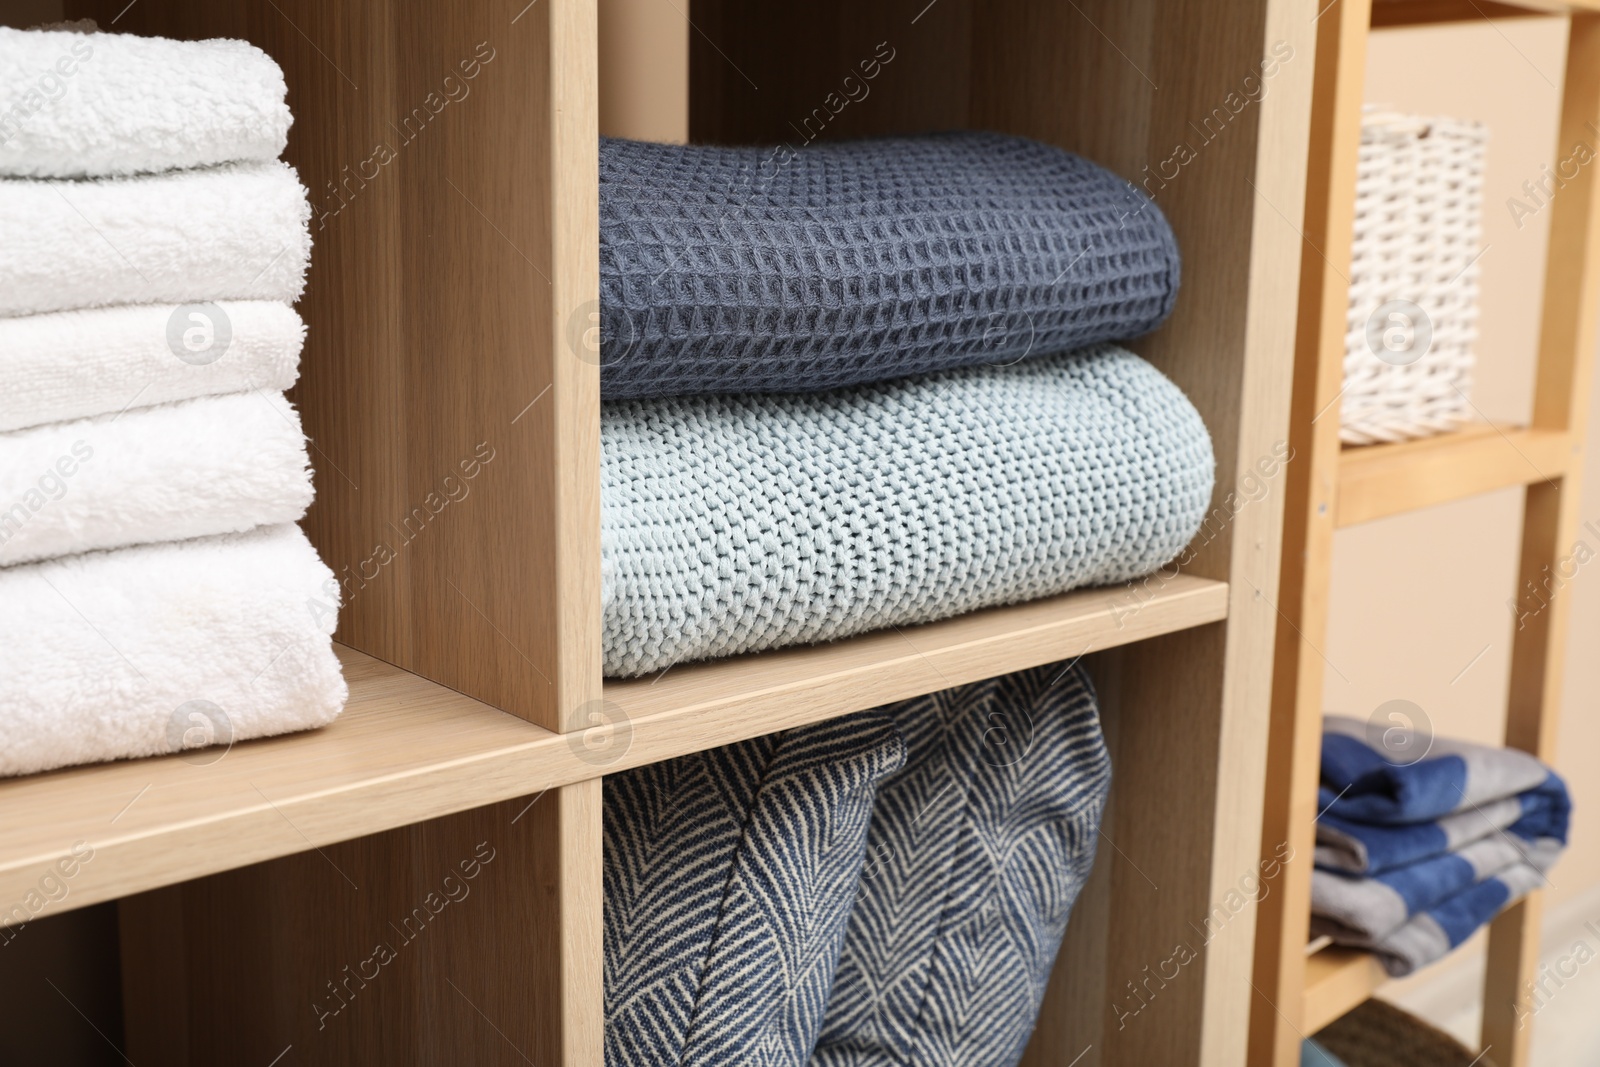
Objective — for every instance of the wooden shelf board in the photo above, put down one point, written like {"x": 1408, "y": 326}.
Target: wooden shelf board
{"x": 1388, "y": 14}
{"x": 1338, "y": 980}
{"x": 406, "y": 749}
{"x": 777, "y": 690}
{"x": 1376, "y": 481}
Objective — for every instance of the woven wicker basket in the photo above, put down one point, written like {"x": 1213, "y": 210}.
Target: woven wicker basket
{"x": 1378, "y": 1034}
{"x": 1413, "y": 278}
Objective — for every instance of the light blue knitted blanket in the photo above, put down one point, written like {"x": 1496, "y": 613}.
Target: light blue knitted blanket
{"x": 735, "y": 523}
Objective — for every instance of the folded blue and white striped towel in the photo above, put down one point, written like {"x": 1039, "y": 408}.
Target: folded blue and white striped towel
{"x": 1537, "y": 819}
{"x": 1353, "y": 909}
{"x": 1364, "y": 782}
{"x": 1414, "y": 857}
{"x": 1431, "y": 932}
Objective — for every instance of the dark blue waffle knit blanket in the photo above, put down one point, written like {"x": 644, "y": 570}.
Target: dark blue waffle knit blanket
{"x": 728, "y": 270}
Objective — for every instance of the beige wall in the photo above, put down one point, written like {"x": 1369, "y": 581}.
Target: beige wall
{"x": 1417, "y": 597}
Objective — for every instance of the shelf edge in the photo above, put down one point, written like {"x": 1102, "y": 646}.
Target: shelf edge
{"x": 705, "y": 706}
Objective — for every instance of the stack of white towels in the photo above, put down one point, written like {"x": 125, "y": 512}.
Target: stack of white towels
{"x": 155, "y": 592}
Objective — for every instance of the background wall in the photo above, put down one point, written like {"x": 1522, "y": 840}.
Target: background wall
{"x": 1419, "y": 604}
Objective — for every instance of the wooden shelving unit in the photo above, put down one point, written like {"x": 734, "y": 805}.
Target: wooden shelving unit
{"x": 450, "y": 294}
{"x": 1331, "y": 487}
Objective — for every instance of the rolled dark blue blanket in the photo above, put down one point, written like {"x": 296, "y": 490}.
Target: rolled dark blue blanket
{"x": 733, "y": 270}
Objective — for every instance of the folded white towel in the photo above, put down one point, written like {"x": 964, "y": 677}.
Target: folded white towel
{"x": 151, "y": 649}
{"x": 95, "y": 104}
{"x": 73, "y": 364}
{"x": 235, "y": 232}
{"x": 219, "y": 464}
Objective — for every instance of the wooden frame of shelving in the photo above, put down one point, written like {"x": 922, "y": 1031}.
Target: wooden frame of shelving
{"x": 1331, "y": 487}
{"x": 450, "y": 293}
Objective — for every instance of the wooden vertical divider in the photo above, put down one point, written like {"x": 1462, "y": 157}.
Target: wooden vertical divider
{"x": 449, "y": 385}
{"x": 1276, "y": 1018}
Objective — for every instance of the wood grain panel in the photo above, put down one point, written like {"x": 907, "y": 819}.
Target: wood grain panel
{"x": 796, "y": 73}
{"x": 471, "y": 939}
{"x": 450, "y": 153}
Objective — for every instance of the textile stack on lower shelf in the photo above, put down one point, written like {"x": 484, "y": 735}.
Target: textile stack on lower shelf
{"x": 867, "y": 386}
{"x": 1423, "y": 840}
{"x": 889, "y": 887}
{"x": 159, "y": 596}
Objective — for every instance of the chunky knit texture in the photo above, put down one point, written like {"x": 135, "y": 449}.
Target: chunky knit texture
{"x": 729, "y": 876}
{"x": 754, "y": 269}
{"x": 978, "y": 850}
{"x": 744, "y": 522}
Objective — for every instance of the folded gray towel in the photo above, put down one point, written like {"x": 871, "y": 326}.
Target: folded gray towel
{"x": 728, "y": 270}
{"x": 744, "y": 522}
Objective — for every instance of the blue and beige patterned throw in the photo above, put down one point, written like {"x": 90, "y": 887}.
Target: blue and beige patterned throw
{"x": 977, "y": 851}
{"x": 1538, "y": 816}
{"x": 729, "y": 876}
{"x": 1364, "y": 781}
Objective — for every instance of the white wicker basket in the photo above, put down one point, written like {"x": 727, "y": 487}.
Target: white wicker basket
{"x": 1413, "y": 278}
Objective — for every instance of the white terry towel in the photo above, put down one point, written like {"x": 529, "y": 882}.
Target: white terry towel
{"x": 220, "y": 464}
{"x": 151, "y": 649}
{"x": 235, "y": 232}
{"x": 73, "y": 364}
{"x": 95, "y": 104}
